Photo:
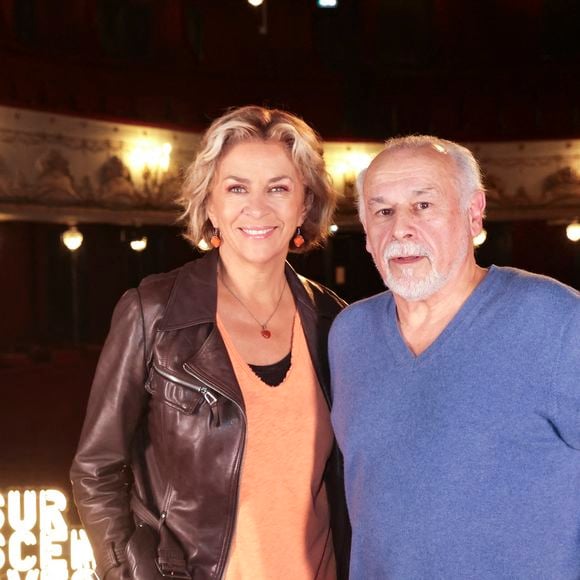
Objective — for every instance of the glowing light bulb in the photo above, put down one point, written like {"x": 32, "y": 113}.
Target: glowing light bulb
{"x": 573, "y": 232}
{"x": 72, "y": 239}
{"x": 480, "y": 238}
{"x": 256, "y": 2}
{"x": 138, "y": 244}
{"x": 149, "y": 154}
{"x": 359, "y": 160}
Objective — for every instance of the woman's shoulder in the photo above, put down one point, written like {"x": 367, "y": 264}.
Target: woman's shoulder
{"x": 157, "y": 287}
{"x": 195, "y": 274}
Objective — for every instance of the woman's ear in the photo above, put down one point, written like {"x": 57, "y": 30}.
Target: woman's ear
{"x": 308, "y": 201}
{"x": 209, "y": 211}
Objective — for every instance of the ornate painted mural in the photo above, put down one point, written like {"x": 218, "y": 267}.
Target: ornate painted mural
{"x": 64, "y": 169}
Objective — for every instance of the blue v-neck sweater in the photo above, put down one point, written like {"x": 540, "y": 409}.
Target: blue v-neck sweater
{"x": 463, "y": 462}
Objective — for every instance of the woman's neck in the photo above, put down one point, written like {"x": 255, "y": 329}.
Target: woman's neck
{"x": 255, "y": 282}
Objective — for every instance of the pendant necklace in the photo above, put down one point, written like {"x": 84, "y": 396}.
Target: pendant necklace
{"x": 263, "y": 325}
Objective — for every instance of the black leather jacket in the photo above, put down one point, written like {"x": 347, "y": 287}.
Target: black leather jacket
{"x": 156, "y": 473}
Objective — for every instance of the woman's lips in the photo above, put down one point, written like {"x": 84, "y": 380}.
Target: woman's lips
{"x": 257, "y": 233}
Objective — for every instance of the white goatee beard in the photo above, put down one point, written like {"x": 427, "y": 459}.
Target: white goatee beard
{"x": 406, "y": 285}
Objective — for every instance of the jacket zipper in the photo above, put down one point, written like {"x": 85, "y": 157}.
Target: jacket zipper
{"x": 208, "y": 395}
{"x": 237, "y": 470}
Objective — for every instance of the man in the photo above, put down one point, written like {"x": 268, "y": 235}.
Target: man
{"x": 456, "y": 392}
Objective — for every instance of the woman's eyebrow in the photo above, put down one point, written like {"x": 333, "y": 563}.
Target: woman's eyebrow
{"x": 236, "y": 178}
{"x": 279, "y": 177}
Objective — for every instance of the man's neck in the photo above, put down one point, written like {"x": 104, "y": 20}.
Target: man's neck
{"x": 422, "y": 321}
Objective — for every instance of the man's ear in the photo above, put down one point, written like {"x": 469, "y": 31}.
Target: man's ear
{"x": 476, "y": 212}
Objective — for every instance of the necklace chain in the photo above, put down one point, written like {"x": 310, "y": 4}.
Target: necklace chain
{"x": 264, "y": 325}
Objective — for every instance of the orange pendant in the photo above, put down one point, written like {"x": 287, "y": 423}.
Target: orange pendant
{"x": 266, "y": 333}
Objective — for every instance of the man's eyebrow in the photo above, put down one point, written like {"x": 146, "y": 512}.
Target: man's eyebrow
{"x": 420, "y": 191}
{"x": 424, "y": 190}
{"x": 376, "y": 199}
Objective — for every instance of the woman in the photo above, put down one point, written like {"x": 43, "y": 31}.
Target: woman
{"x": 207, "y": 450}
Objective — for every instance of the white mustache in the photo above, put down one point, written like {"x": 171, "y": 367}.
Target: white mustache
{"x": 404, "y": 249}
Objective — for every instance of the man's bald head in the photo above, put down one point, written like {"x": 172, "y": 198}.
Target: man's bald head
{"x": 466, "y": 170}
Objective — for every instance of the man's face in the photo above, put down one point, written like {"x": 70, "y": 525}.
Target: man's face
{"x": 417, "y": 232}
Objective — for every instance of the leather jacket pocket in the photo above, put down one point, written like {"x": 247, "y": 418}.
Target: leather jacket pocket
{"x": 176, "y": 393}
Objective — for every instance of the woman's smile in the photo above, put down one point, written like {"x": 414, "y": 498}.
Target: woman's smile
{"x": 259, "y": 233}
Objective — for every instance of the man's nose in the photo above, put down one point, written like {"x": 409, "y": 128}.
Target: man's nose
{"x": 403, "y": 225}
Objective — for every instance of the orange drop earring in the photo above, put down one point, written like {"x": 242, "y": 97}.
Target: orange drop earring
{"x": 298, "y": 238}
{"x": 215, "y": 240}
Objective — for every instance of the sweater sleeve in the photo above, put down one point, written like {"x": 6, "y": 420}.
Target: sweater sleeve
{"x": 566, "y": 380}
{"x": 100, "y": 472}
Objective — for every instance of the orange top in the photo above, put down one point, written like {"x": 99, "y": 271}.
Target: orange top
{"x": 282, "y": 527}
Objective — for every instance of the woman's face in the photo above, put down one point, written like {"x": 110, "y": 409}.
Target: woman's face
{"x": 257, "y": 201}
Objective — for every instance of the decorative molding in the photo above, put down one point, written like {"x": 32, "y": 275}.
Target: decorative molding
{"x": 74, "y": 215}
{"x": 86, "y": 145}
{"x": 66, "y": 169}
{"x": 55, "y": 166}
{"x": 530, "y": 180}
{"x": 562, "y": 187}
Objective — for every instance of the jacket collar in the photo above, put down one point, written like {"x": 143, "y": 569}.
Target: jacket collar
{"x": 193, "y": 299}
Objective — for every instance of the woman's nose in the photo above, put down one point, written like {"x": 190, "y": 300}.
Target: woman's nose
{"x": 257, "y": 205}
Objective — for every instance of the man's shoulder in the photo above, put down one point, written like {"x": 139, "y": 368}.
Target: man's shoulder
{"x": 533, "y": 303}
{"x": 362, "y": 312}
{"x": 526, "y": 286}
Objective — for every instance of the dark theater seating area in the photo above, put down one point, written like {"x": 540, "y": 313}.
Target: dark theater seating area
{"x": 44, "y": 393}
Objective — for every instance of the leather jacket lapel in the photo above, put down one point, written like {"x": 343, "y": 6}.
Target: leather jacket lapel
{"x": 212, "y": 364}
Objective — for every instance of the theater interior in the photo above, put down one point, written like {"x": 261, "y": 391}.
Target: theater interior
{"x": 103, "y": 104}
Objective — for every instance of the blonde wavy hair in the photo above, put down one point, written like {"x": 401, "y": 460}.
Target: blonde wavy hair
{"x": 251, "y": 123}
